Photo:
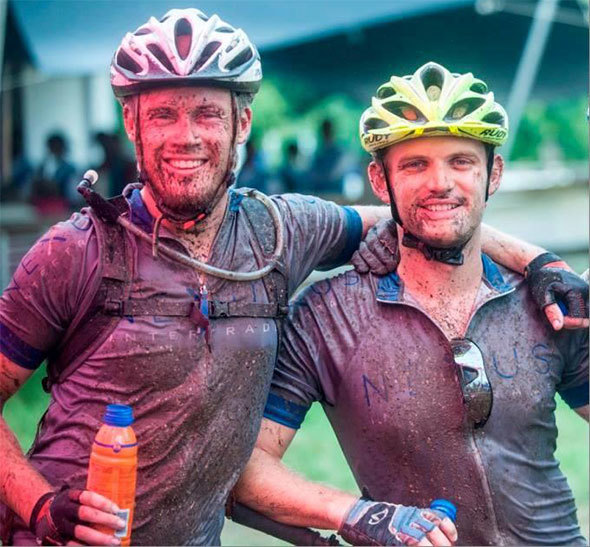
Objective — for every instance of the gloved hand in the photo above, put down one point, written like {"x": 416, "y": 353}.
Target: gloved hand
{"x": 378, "y": 253}
{"x": 549, "y": 284}
{"x": 65, "y": 516}
{"x": 380, "y": 523}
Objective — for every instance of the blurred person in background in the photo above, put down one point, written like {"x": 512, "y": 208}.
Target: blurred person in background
{"x": 291, "y": 173}
{"x": 54, "y": 180}
{"x": 116, "y": 170}
{"x": 439, "y": 380}
{"x": 326, "y": 170}
{"x": 21, "y": 177}
{"x": 254, "y": 173}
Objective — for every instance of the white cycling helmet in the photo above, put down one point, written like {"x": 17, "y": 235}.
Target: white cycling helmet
{"x": 185, "y": 47}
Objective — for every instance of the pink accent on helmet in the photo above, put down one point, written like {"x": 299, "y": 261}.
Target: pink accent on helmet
{"x": 185, "y": 47}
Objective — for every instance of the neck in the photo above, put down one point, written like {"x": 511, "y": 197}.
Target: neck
{"x": 433, "y": 279}
{"x": 201, "y": 232}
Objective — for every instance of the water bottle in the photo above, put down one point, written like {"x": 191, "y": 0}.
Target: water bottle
{"x": 112, "y": 470}
{"x": 445, "y": 507}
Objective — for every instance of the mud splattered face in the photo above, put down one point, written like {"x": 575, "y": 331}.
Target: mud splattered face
{"x": 439, "y": 187}
{"x": 186, "y": 135}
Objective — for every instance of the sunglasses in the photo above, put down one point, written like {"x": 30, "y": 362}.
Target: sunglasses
{"x": 476, "y": 387}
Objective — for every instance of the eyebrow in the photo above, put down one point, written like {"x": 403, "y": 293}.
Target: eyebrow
{"x": 472, "y": 155}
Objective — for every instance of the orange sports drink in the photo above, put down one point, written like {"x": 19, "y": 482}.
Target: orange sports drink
{"x": 112, "y": 470}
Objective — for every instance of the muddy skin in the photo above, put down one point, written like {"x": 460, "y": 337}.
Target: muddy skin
{"x": 189, "y": 124}
{"x": 385, "y": 375}
{"x": 198, "y": 406}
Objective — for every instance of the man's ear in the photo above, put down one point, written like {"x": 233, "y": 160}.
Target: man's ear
{"x": 496, "y": 175}
{"x": 129, "y": 119}
{"x": 377, "y": 180}
{"x": 244, "y": 125}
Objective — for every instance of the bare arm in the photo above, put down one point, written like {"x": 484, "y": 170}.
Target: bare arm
{"x": 272, "y": 489}
{"x": 371, "y": 214}
{"x": 20, "y": 484}
{"x": 508, "y": 250}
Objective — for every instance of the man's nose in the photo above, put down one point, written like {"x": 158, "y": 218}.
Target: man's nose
{"x": 187, "y": 131}
{"x": 440, "y": 178}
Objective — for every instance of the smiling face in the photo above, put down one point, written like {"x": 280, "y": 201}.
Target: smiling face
{"x": 439, "y": 186}
{"x": 186, "y": 136}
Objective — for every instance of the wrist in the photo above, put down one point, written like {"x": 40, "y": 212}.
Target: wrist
{"x": 544, "y": 260}
{"x": 338, "y": 509}
{"x": 41, "y": 507}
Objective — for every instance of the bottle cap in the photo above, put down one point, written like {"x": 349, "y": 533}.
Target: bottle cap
{"x": 446, "y": 507}
{"x": 118, "y": 415}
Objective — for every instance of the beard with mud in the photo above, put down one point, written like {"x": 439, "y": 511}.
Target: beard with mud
{"x": 181, "y": 197}
{"x": 456, "y": 233}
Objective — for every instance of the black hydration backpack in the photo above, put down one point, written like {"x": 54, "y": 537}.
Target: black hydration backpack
{"x": 103, "y": 307}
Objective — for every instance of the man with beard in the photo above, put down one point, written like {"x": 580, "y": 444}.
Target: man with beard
{"x": 439, "y": 379}
{"x": 135, "y": 315}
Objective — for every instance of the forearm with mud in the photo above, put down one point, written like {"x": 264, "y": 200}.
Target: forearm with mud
{"x": 371, "y": 214}
{"x": 509, "y": 251}
{"x": 20, "y": 484}
{"x": 274, "y": 490}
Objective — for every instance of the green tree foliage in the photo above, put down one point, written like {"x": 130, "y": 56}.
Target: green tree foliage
{"x": 560, "y": 123}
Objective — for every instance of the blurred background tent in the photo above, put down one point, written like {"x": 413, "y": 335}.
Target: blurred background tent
{"x": 322, "y": 60}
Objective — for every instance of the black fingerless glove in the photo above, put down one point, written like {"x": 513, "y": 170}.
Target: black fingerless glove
{"x": 55, "y": 516}
{"x": 550, "y": 285}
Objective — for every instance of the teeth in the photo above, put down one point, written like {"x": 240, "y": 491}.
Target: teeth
{"x": 445, "y": 207}
{"x": 186, "y": 164}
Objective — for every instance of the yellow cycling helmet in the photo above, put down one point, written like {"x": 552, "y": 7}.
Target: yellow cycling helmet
{"x": 432, "y": 102}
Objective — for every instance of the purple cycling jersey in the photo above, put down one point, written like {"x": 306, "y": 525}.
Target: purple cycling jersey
{"x": 198, "y": 406}
{"x": 386, "y": 377}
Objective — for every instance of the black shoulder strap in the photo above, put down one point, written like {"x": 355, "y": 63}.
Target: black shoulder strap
{"x": 95, "y": 319}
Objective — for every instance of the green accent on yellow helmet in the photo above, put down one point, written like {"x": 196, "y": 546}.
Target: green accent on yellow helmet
{"x": 432, "y": 102}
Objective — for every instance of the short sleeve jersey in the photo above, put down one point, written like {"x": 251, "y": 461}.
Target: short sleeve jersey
{"x": 197, "y": 399}
{"x": 386, "y": 377}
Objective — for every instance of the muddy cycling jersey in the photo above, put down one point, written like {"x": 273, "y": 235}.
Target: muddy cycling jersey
{"x": 197, "y": 404}
{"x": 387, "y": 379}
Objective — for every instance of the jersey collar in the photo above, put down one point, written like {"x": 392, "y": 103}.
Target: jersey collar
{"x": 390, "y": 287}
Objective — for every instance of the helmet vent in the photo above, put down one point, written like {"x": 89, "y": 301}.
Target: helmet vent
{"x": 494, "y": 117}
{"x": 463, "y": 108}
{"x": 126, "y": 62}
{"x": 479, "y": 87}
{"x": 161, "y": 56}
{"x": 374, "y": 123}
{"x": 406, "y": 111}
{"x": 241, "y": 59}
{"x": 432, "y": 77}
{"x": 385, "y": 91}
{"x": 183, "y": 34}
{"x": 206, "y": 54}
{"x": 143, "y": 31}
{"x": 224, "y": 29}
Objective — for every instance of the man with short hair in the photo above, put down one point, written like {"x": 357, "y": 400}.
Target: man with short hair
{"x": 169, "y": 299}
{"x": 439, "y": 379}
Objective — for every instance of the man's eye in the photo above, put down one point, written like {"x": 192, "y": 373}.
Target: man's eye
{"x": 462, "y": 162}
{"x": 209, "y": 115}
{"x": 161, "y": 115}
{"x": 414, "y": 164}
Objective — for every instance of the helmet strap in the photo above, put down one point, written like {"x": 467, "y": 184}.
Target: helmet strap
{"x": 450, "y": 255}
